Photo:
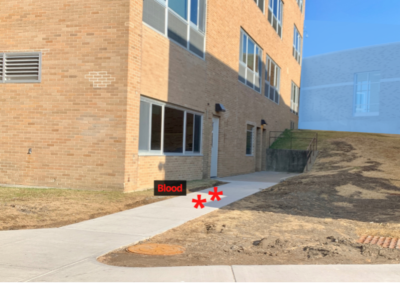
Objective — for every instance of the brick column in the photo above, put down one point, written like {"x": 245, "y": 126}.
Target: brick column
{"x": 133, "y": 98}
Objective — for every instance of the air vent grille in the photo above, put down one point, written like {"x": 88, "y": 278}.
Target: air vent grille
{"x": 21, "y": 67}
{"x": 1, "y": 67}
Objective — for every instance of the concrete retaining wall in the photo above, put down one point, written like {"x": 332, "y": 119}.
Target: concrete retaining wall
{"x": 292, "y": 161}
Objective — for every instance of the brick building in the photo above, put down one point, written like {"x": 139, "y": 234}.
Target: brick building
{"x": 113, "y": 94}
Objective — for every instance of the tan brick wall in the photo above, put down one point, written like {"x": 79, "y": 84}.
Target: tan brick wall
{"x": 75, "y": 127}
{"x": 133, "y": 98}
{"x": 82, "y": 120}
{"x": 165, "y": 167}
{"x": 172, "y": 74}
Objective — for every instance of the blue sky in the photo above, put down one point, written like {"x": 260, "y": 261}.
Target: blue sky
{"x": 334, "y": 25}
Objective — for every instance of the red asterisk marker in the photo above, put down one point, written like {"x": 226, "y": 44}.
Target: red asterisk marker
{"x": 199, "y": 202}
{"x": 215, "y": 194}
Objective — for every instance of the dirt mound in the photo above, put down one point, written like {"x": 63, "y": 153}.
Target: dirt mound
{"x": 313, "y": 218}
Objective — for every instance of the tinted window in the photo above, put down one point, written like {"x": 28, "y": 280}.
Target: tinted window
{"x": 173, "y": 130}
{"x": 179, "y": 7}
{"x": 189, "y": 132}
{"x": 156, "y": 119}
{"x": 193, "y": 11}
{"x": 197, "y": 133}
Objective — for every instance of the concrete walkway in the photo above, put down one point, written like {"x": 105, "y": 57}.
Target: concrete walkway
{"x": 69, "y": 253}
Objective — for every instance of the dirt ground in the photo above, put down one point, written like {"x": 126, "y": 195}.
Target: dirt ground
{"x": 29, "y": 208}
{"x": 313, "y": 218}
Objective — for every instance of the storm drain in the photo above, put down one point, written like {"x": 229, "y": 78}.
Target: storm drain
{"x": 385, "y": 242}
{"x": 156, "y": 249}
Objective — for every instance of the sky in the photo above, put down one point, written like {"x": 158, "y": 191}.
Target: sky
{"x": 335, "y": 25}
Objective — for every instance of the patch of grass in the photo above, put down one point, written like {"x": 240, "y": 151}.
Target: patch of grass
{"x": 300, "y": 139}
{"x": 293, "y": 140}
{"x": 30, "y": 208}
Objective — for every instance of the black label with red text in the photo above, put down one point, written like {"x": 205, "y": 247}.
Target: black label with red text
{"x": 169, "y": 187}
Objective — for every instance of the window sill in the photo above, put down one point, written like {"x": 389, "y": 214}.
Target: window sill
{"x": 169, "y": 155}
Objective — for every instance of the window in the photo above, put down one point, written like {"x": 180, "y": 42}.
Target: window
{"x": 300, "y": 3}
{"x": 275, "y": 11}
{"x": 297, "y": 45}
{"x": 20, "y": 67}
{"x": 165, "y": 129}
{"x": 250, "y": 62}
{"x": 260, "y": 4}
{"x": 249, "y": 140}
{"x": 272, "y": 80}
{"x": 366, "y": 97}
{"x": 183, "y": 21}
{"x": 180, "y": 7}
{"x": 292, "y": 125}
{"x": 294, "y": 101}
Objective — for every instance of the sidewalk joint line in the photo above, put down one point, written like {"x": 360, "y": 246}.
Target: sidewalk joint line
{"x": 233, "y": 273}
{"x": 56, "y": 269}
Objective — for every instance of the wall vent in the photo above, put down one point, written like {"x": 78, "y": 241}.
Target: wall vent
{"x": 21, "y": 67}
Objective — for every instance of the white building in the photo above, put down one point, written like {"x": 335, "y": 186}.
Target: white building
{"x": 355, "y": 90}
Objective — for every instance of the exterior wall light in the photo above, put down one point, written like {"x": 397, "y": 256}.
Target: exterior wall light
{"x": 263, "y": 123}
{"x": 30, "y": 151}
{"x": 219, "y": 108}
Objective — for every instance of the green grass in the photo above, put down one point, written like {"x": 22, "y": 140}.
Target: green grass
{"x": 24, "y": 194}
{"x": 293, "y": 140}
{"x": 300, "y": 139}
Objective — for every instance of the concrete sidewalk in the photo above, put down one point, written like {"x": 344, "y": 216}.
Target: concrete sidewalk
{"x": 47, "y": 254}
{"x": 69, "y": 253}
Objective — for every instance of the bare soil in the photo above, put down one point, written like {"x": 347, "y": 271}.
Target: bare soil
{"x": 30, "y": 208}
{"x": 313, "y": 218}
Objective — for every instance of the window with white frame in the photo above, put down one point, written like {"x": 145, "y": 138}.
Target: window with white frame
{"x": 249, "y": 139}
{"x": 250, "y": 62}
{"x": 183, "y": 21}
{"x": 297, "y": 45}
{"x": 275, "y": 12}
{"x": 20, "y": 67}
{"x": 169, "y": 130}
{"x": 300, "y": 3}
{"x": 294, "y": 101}
{"x": 366, "y": 96}
{"x": 260, "y": 4}
{"x": 272, "y": 80}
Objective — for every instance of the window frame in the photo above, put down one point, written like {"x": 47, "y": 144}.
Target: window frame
{"x": 300, "y": 3}
{"x": 252, "y": 139}
{"x": 188, "y": 22}
{"x": 300, "y": 45}
{"x": 22, "y": 53}
{"x": 278, "y": 79}
{"x": 280, "y": 14}
{"x": 245, "y": 64}
{"x": 294, "y": 93}
{"x": 257, "y": 3}
{"x": 161, "y": 151}
{"x": 355, "y": 94}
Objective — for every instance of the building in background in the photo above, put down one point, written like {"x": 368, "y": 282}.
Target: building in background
{"x": 355, "y": 90}
{"x": 116, "y": 94}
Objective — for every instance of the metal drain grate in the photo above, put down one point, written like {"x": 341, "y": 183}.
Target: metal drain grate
{"x": 156, "y": 249}
{"x": 385, "y": 242}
